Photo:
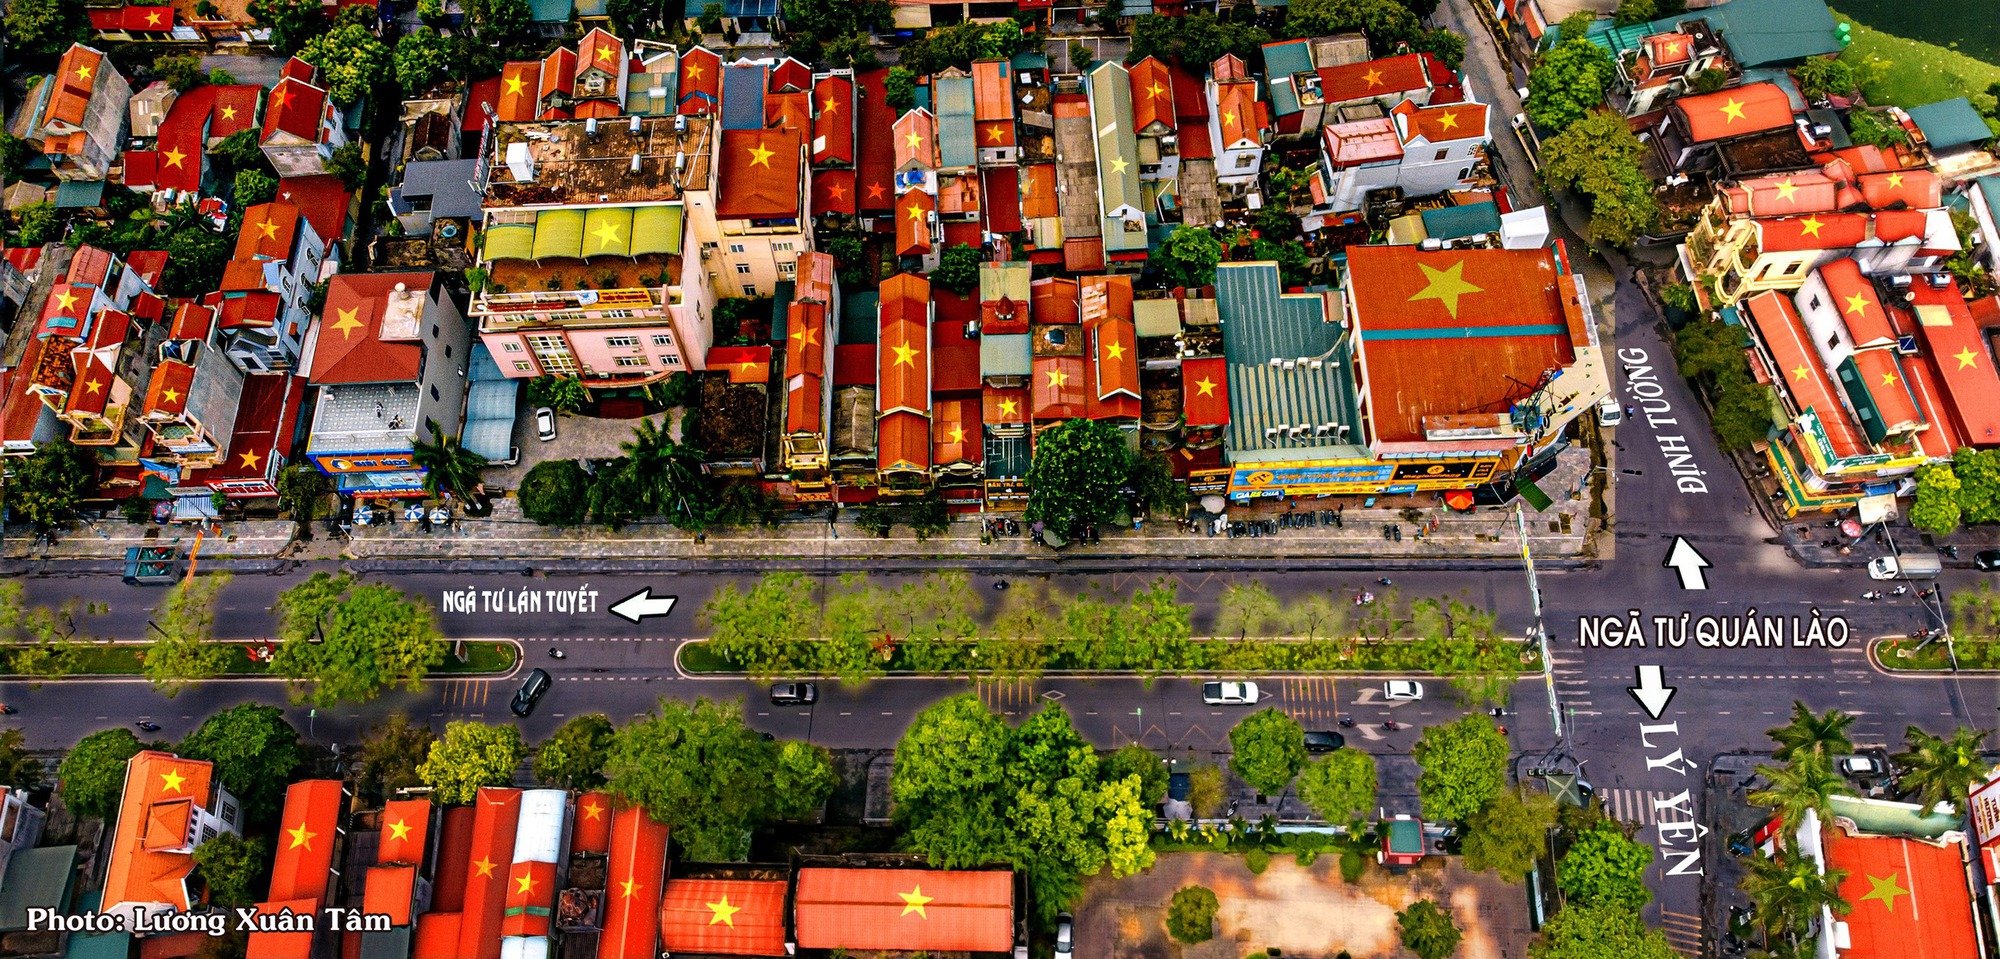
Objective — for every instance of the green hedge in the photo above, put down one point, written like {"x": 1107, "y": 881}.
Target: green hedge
{"x": 127, "y": 659}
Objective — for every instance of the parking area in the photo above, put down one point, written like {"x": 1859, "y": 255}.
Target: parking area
{"x": 1295, "y": 911}
{"x": 577, "y": 437}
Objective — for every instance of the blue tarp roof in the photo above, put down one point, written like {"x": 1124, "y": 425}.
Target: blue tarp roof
{"x": 491, "y": 403}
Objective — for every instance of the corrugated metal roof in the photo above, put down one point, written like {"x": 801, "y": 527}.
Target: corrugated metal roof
{"x": 1117, "y": 157}
{"x": 957, "y": 141}
{"x": 1260, "y": 324}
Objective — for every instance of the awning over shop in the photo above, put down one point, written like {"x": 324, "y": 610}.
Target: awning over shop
{"x": 510, "y": 241}
{"x": 607, "y": 231}
{"x": 559, "y": 233}
{"x": 656, "y": 229}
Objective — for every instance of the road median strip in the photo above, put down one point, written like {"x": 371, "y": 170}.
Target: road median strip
{"x": 96, "y": 661}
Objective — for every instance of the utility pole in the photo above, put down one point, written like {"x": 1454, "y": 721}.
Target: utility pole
{"x": 1541, "y": 633}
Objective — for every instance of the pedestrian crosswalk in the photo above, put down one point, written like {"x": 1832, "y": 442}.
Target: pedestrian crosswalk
{"x": 1641, "y": 807}
{"x": 1312, "y": 700}
{"x": 1008, "y": 697}
{"x": 1683, "y": 931}
{"x": 467, "y": 695}
{"x": 1573, "y": 686}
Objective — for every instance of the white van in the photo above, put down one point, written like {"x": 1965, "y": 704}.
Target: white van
{"x": 1906, "y": 566}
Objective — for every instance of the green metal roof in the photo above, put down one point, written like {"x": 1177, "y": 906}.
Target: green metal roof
{"x": 1880, "y": 818}
{"x": 957, "y": 141}
{"x": 607, "y": 231}
{"x": 1767, "y": 32}
{"x": 79, "y": 194}
{"x": 510, "y": 241}
{"x": 1005, "y": 354}
{"x": 1865, "y": 410}
{"x": 1117, "y": 156}
{"x": 36, "y": 878}
{"x": 1948, "y": 123}
{"x": 1989, "y": 187}
{"x": 1259, "y": 324}
{"x": 858, "y": 320}
{"x": 551, "y": 11}
{"x": 1406, "y": 836}
{"x": 559, "y": 233}
{"x": 1453, "y": 222}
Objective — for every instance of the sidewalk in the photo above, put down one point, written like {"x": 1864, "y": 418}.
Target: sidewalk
{"x": 109, "y": 538}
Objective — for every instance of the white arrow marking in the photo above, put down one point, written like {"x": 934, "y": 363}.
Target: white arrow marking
{"x": 1684, "y": 559}
{"x": 643, "y": 605}
{"x": 1652, "y": 692}
{"x": 1368, "y": 731}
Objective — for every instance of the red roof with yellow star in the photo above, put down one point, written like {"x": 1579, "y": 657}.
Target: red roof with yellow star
{"x": 75, "y": 81}
{"x": 268, "y": 231}
{"x": 724, "y": 917}
{"x": 743, "y": 364}
{"x": 1855, "y": 299}
{"x": 902, "y": 347}
{"x": 601, "y": 51}
{"x": 1152, "y": 97}
{"x": 1205, "y": 391}
{"x": 633, "y": 886}
{"x": 700, "y": 81}
{"x": 913, "y": 222}
{"x": 1782, "y": 194}
{"x": 760, "y": 174}
{"x": 1390, "y": 77}
{"x": 1735, "y": 112}
{"x": 956, "y": 436}
{"x": 1915, "y": 189}
{"x": 1240, "y": 115}
{"x": 1106, "y": 307}
{"x": 915, "y": 141}
{"x": 349, "y": 348}
{"x": 1814, "y": 231}
{"x": 590, "y": 827}
{"x": 133, "y": 872}
{"x": 1442, "y": 124}
{"x": 520, "y": 86}
{"x": 496, "y": 812}
{"x": 406, "y": 828}
{"x": 833, "y": 121}
{"x": 1796, "y": 367}
{"x": 167, "y": 392}
{"x": 294, "y": 107}
{"x": 1003, "y": 406}
{"x": 265, "y": 415}
{"x": 1888, "y": 385}
{"x": 1059, "y": 387}
{"x": 904, "y": 910}
{"x": 91, "y": 393}
{"x": 833, "y": 191}
{"x": 306, "y": 833}
{"x": 1907, "y": 897}
{"x": 1958, "y": 348}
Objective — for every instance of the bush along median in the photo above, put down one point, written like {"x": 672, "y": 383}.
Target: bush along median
{"x": 856, "y": 628}
{"x": 1975, "y": 638}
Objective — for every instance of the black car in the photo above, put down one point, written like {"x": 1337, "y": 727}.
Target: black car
{"x": 531, "y": 692}
{"x": 1987, "y": 559}
{"x": 1322, "y": 741}
{"x": 794, "y": 694}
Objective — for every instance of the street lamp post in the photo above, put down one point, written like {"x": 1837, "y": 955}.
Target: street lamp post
{"x": 1541, "y": 633}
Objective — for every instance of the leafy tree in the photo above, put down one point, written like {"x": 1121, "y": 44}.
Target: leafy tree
{"x": 196, "y": 254}
{"x": 1002, "y": 39}
{"x": 698, "y": 768}
{"x": 1709, "y": 80}
{"x": 182, "y": 71}
{"x": 229, "y": 865}
{"x": 1133, "y": 759}
{"x": 255, "y": 752}
{"x": 1822, "y": 77}
{"x": 292, "y": 22}
{"x": 564, "y": 394}
{"x": 1806, "y": 783}
{"x": 555, "y": 492}
{"x": 1246, "y": 610}
{"x": 1941, "y": 769}
{"x": 618, "y": 494}
{"x": 1464, "y": 644}
{"x": 948, "y": 774}
{"x": 186, "y": 651}
{"x": 803, "y": 780}
{"x": 810, "y": 24}
{"x": 1386, "y": 22}
{"x": 242, "y": 151}
{"x": 447, "y": 464}
{"x": 1427, "y": 930}
{"x": 958, "y": 269}
{"x": 1510, "y": 833}
{"x": 348, "y": 165}
{"x": 468, "y": 756}
{"x": 92, "y": 775}
{"x": 669, "y": 477}
{"x": 35, "y": 640}
{"x": 1075, "y": 474}
{"x": 1605, "y": 868}
{"x": 1191, "y": 914}
{"x": 1464, "y": 765}
{"x": 1189, "y": 256}
{"x": 38, "y": 223}
{"x": 1595, "y": 930}
{"x": 252, "y": 187}
{"x": 1874, "y": 129}
{"x": 1789, "y": 889}
{"x": 423, "y": 57}
{"x": 1597, "y": 155}
{"x": 501, "y": 23}
{"x": 1810, "y": 733}
{"x": 1194, "y": 40}
{"x": 349, "y": 640}
{"x": 40, "y": 30}
{"x": 1632, "y": 12}
{"x": 900, "y": 88}
{"x": 1205, "y": 791}
{"x": 1443, "y": 44}
{"x": 45, "y": 487}
{"x": 1340, "y": 787}
{"x": 573, "y": 756}
{"x": 1742, "y": 414}
{"x": 1576, "y": 26}
{"x": 1978, "y": 473}
{"x": 388, "y": 757}
{"x": 301, "y": 491}
{"x": 763, "y": 624}
{"x": 18, "y": 768}
{"x": 1128, "y": 825}
{"x": 1267, "y": 750}
{"x": 1568, "y": 84}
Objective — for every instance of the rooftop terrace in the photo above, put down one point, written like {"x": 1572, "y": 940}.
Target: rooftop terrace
{"x": 562, "y": 162}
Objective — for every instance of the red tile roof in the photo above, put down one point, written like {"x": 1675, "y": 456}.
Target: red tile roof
{"x": 1205, "y": 391}
{"x": 1963, "y": 358}
{"x": 1782, "y": 194}
{"x": 1902, "y": 188}
{"x": 406, "y": 826}
{"x": 903, "y": 348}
{"x": 854, "y": 364}
{"x": 1059, "y": 387}
{"x": 147, "y": 19}
{"x": 833, "y": 191}
{"x": 1799, "y": 373}
{"x": 496, "y": 813}
{"x": 322, "y": 200}
{"x": 877, "y": 154}
{"x": 805, "y": 339}
{"x": 600, "y": 50}
{"x": 1887, "y": 384}
{"x": 1152, "y": 98}
{"x": 387, "y": 891}
{"x": 1735, "y": 112}
{"x": 265, "y": 416}
{"x": 296, "y": 944}
{"x": 913, "y": 218}
{"x": 437, "y": 935}
{"x": 590, "y": 829}
{"x": 1389, "y": 77}
{"x": 833, "y": 123}
{"x": 1908, "y": 897}
{"x": 1039, "y": 199}
{"x": 295, "y": 108}
{"x": 1083, "y": 254}
{"x": 95, "y": 382}
{"x": 1107, "y": 319}
{"x": 167, "y": 392}
{"x": 955, "y": 434}
{"x": 1442, "y": 124}
{"x": 760, "y": 172}
{"x": 296, "y": 68}
{"x": 1855, "y": 299}
{"x": 1242, "y": 115}
{"x": 632, "y": 888}
{"x": 700, "y": 81}
{"x": 744, "y": 364}
{"x": 306, "y": 835}
{"x": 915, "y": 141}
{"x": 1002, "y": 406}
{"x": 726, "y": 917}
{"x": 904, "y": 910}
{"x": 75, "y": 81}
{"x": 135, "y": 873}
{"x": 992, "y": 91}
{"x": 1816, "y": 231}
{"x": 268, "y": 231}
{"x": 349, "y": 348}
{"x": 789, "y": 111}
{"x": 558, "y": 77}
{"x": 1943, "y": 437}
{"x": 520, "y": 86}
{"x": 1361, "y": 141}
{"x": 1003, "y": 199}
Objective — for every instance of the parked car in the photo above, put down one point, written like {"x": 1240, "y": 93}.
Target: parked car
{"x": 1229, "y": 694}
{"x": 1065, "y": 935}
{"x": 1323, "y": 741}
{"x": 545, "y": 423}
{"x": 1397, "y": 690}
{"x": 1862, "y": 766}
{"x": 531, "y": 692}
{"x": 1987, "y": 559}
{"x": 794, "y": 694}
{"x": 1608, "y": 413}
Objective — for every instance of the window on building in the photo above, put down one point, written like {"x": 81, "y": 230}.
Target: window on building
{"x": 1245, "y": 161}
{"x": 1441, "y": 154}
{"x": 781, "y": 247}
{"x": 618, "y": 342}
{"x": 668, "y": 359}
{"x": 513, "y": 347}
{"x": 749, "y": 289}
{"x": 662, "y": 339}
{"x": 743, "y": 268}
{"x": 522, "y": 366}
{"x": 447, "y": 350}
{"x": 786, "y": 267}
{"x": 434, "y": 393}
{"x": 1813, "y": 304}
{"x": 735, "y": 247}
{"x": 629, "y": 360}
{"x": 434, "y": 331}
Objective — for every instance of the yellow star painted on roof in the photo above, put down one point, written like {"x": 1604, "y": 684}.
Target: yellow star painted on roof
{"x": 83, "y": 72}
{"x": 806, "y": 335}
{"x": 1810, "y": 226}
{"x": 525, "y": 882}
{"x": 1009, "y": 408}
{"x": 228, "y": 113}
{"x": 913, "y": 138}
{"x": 1118, "y": 164}
{"x": 760, "y": 155}
{"x": 694, "y": 71}
{"x": 906, "y": 355}
{"x": 171, "y": 780}
{"x": 94, "y": 387}
{"x": 350, "y": 320}
{"x": 1445, "y": 286}
{"x": 301, "y": 837}
{"x": 627, "y": 888}
{"x": 1373, "y": 77}
{"x": 174, "y": 157}
{"x": 829, "y": 105}
{"x": 605, "y": 54}
{"x": 1786, "y": 188}
{"x": 1116, "y": 351}
{"x": 65, "y": 300}
{"x": 1204, "y": 387}
{"x": 1448, "y": 121}
{"x": 515, "y": 87}
{"x": 153, "y": 19}
{"x": 1733, "y": 110}
{"x": 1229, "y": 117}
{"x": 1155, "y": 91}
{"x": 606, "y": 234}
{"x": 916, "y": 213}
{"x": 915, "y": 901}
{"x": 1857, "y": 303}
{"x": 1895, "y": 180}
{"x": 400, "y": 829}
{"x": 721, "y": 911}
{"x": 1801, "y": 372}
{"x": 269, "y": 229}
{"x": 1966, "y": 358}
{"x": 170, "y": 395}
{"x": 591, "y": 810}
{"x": 1058, "y": 378}
{"x": 1888, "y": 379}
{"x": 1885, "y": 890}
{"x": 280, "y": 97}
{"x": 249, "y": 460}
{"x": 484, "y": 867}
{"x": 957, "y": 434}
{"x": 995, "y": 134}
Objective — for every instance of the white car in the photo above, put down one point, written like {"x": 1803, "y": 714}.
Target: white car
{"x": 1398, "y": 690}
{"x": 1229, "y": 694}
{"x": 1862, "y": 767}
{"x": 545, "y": 423}
{"x": 1608, "y": 413}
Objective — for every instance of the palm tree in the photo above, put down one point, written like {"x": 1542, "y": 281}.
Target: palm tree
{"x": 447, "y": 464}
{"x": 1938, "y": 769}
{"x": 1806, "y": 783}
{"x": 1821, "y": 735}
{"x": 1789, "y": 889}
{"x": 671, "y": 475}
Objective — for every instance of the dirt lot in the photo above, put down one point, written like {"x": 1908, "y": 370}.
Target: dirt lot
{"x": 1303, "y": 912}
